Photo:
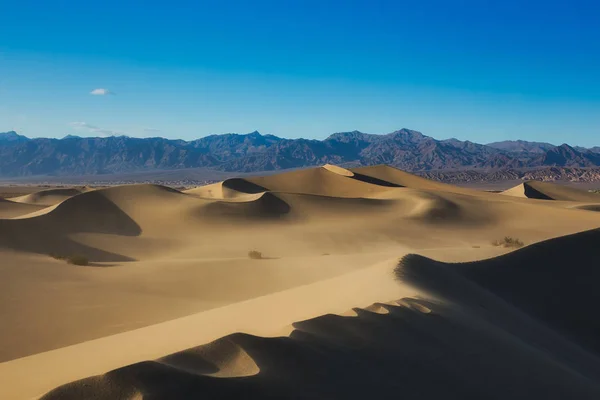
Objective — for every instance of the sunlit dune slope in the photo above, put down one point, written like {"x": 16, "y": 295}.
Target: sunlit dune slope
{"x": 323, "y": 181}
{"x": 551, "y": 191}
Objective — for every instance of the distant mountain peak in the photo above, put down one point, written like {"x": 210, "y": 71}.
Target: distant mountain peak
{"x": 348, "y": 133}
{"x": 406, "y": 131}
{"x": 12, "y": 136}
{"x": 565, "y": 149}
{"x": 347, "y": 136}
{"x": 565, "y": 155}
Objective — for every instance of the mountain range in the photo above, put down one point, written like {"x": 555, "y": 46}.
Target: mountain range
{"x": 406, "y": 149}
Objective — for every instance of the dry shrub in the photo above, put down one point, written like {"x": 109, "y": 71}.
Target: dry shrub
{"x": 509, "y": 241}
{"x": 255, "y": 255}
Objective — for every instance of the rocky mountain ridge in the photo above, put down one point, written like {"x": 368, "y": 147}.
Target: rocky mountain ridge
{"x": 406, "y": 149}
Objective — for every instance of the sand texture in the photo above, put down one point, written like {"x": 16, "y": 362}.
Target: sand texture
{"x": 316, "y": 283}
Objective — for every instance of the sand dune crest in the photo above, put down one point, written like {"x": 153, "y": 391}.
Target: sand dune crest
{"x": 49, "y": 197}
{"x": 323, "y": 181}
{"x": 550, "y": 191}
{"x": 228, "y": 189}
{"x": 338, "y": 170}
{"x": 401, "y": 178}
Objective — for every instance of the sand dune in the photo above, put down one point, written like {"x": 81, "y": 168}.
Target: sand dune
{"x": 385, "y": 173}
{"x": 322, "y": 181}
{"x": 170, "y": 270}
{"x": 564, "y": 273}
{"x": 11, "y": 209}
{"x": 48, "y": 197}
{"x": 551, "y": 191}
{"x": 229, "y": 189}
{"x": 473, "y": 331}
{"x": 49, "y": 232}
{"x": 125, "y": 211}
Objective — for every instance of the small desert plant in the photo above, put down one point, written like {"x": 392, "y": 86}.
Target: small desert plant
{"x": 508, "y": 241}
{"x": 77, "y": 260}
{"x": 255, "y": 255}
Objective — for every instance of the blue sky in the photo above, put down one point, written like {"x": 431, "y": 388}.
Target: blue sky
{"x": 477, "y": 70}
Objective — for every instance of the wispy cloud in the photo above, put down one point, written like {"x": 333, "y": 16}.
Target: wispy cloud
{"x": 152, "y": 130}
{"x": 101, "y": 92}
{"x": 84, "y": 126}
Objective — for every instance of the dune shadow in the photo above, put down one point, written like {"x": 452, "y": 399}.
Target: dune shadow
{"x": 242, "y": 185}
{"x": 589, "y": 207}
{"x": 554, "y": 281}
{"x": 534, "y": 193}
{"x": 50, "y": 233}
{"x": 374, "y": 181}
{"x": 90, "y": 212}
{"x": 102, "y": 265}
{"x": 266, "y": 207}
{"x": 417, "y": 349}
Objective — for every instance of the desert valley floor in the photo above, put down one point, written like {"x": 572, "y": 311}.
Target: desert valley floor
{"x": 316, "y": 283}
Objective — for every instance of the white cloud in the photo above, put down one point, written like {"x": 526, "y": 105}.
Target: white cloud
{"x": 101, "y": 92}
{"x": 84, "y": 126}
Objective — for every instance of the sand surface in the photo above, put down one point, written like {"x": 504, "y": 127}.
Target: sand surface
{"x": 345, "y": 301}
